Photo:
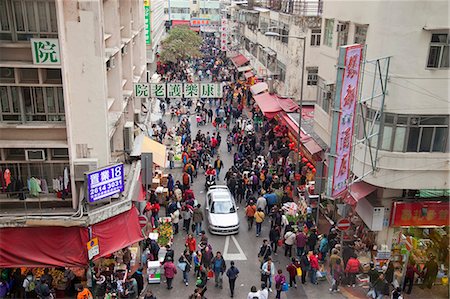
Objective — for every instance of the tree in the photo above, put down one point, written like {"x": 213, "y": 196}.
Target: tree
{"x": 181, "y": 43}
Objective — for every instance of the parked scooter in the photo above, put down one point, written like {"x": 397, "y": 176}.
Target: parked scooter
{"x": 210, "y": 181}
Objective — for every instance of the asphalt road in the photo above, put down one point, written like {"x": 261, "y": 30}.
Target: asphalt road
{"x": 242, "y": 247}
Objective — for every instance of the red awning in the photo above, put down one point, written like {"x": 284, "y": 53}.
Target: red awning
{"x": 270, "y": 105}
{"x": 180, "y": 22}
{"x": 248, "y": 75}
{"x": 56, "y": 246}
{"x": 43, "y": 246}
{"x": 239, "y": 60}
{"x": 259, "y": 87}
{"x": 357, "y": 191}
{"x": 117, "y": 232}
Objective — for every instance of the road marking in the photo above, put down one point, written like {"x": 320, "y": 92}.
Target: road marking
{"x": 233, "y": 256}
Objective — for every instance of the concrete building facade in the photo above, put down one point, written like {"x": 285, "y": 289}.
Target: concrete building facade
{"x": 412, "y": 131}
{"x": 184, "y": 10}
{"x": 158, "y": 30}
{"x": 69, "y": 107}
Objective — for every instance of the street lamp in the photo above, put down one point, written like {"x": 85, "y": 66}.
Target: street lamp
{"x": 297, "y": 164}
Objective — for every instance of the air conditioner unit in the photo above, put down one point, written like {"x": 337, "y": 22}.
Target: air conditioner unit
{"x": 81, "y": 166}
{"x": 35, "y": 155}
{"x": 128, "y": 136}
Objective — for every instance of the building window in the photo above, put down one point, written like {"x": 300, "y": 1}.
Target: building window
{"x": 25, "y": 19}
{"x": 312, "y": 76}
{"x": 315, "y": 37}
{"x": 360, "y": 34}
{"x": 410, "y": 133}
{"x": 328, "y": 35}
{"x": 282, "y": 71}
{"x": 9, "y": 104}
{"x": 438, "y": 56}
{"x": 342, "y": 32}
{"x": 194, "y": 1}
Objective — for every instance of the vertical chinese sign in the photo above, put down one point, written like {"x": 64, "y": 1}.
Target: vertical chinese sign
{"x": 45, "y": 51}
{"x": 148, "y": 23}
{"x": 344, "y": 117}
{"x": 223, "y": 34}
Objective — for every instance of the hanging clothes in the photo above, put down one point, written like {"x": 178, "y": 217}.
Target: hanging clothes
{"x": 66, "y": 178}
{"x": 34, "y": 187}
{"x": 56, "y": 185}
{"x": 7, "y": 177}
{"x": 44, "y": 186}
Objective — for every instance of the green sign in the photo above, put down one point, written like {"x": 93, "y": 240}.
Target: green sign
{"x": 174, "y": 90}
{"x": 141, "y": 90}
{"x": 191, "y": 90}
{"x": 45, "y": 50}
{"x": 148, "y": 23}
{"x": 158, "y": 90}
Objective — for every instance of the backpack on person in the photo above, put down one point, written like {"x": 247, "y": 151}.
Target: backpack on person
{"x": 31, "y": 285}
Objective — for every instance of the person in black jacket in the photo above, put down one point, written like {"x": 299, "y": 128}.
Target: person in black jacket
{"x": 139, "y": 279}
{"x": 274, "y": 236}
{"x": 232, "y": 274}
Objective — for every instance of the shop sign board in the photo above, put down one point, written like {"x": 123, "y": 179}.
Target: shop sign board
{"x": 191, "y": 90}
{"x": 345, "y": 101}
{"x": 93, "y": 248}
{"x": 425, "y": 213}
{"x": 343, "y": 224}
{"x": 104, "y": 182}
{"x": 141, "y": 90}
{"x": 45, "y": 51}
{"x": 148, "y": 23}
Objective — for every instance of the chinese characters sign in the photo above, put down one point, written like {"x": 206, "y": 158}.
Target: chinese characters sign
{"x": 346, "y": 98}
{"x": 425, "y": 213}
{"x": 178, "y": 90}
{"x": 148, "y": 30}
{"x": 223, "y": 34}
{"x": 45, "y": 51}
{"x": 141, "y": 90}
{"x": 104, "y": 182}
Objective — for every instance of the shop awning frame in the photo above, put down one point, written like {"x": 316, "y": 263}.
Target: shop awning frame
{"x": 357, "y": 191}
{"x": 144, "y": 144}
{"x": 259, "y": 88}
{"x": 239, "y": 60}
{"x": 245, "y": 68}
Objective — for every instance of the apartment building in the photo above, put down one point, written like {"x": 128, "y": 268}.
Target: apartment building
{"x": 185, "y": 10}
{"x": 407, "y": 150}
{"x": 280, "y": 58}
{"x": 67, "y": 70}
{"x": 157, "y": 29}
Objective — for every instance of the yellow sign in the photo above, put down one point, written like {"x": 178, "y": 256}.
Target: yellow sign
{"x": 93, "y": 248}
{"x": 93, "y": 242}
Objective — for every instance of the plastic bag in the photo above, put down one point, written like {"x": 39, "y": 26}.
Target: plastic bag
{"x": 284, "y": 287}
{"x": 210, "y": 274}
{"x": 299, "y": 271}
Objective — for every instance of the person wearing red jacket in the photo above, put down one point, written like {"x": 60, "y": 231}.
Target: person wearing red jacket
{"x": 191, "y": 243}
{"x": 314, "y": 262}
{"x": 155, "y": 207}
{"x": 352, "y": 269}
{"x": 292, "y": 270}
{"x": 170, "y": 270}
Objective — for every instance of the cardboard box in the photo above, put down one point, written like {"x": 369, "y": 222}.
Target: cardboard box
{"x": 156, "y": 183}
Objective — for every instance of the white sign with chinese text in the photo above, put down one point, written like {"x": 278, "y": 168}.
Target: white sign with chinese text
{"x": 45, "y": 51}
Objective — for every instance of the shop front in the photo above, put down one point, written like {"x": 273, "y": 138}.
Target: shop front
{"x": 421, "y": 233}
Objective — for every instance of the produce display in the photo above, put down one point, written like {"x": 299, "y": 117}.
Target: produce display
{"x": 165, "y": 233}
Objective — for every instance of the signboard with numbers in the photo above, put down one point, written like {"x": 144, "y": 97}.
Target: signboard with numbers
{"x": 174, "y": 90}
{"x": 148, "y": 23}
{"x": 45, "y": 51}
{"x": 158, "y": 90}
{"x": 141, "y": 90}
{"x": 104, "y": 182}
{"x": 191, "y": 90}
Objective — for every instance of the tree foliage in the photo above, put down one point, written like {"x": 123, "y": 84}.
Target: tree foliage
{"x": 181, "y": 43}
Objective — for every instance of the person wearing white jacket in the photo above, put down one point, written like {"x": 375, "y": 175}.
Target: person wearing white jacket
{"x": 268, "y": 270}
{"x": 289, "y": 240}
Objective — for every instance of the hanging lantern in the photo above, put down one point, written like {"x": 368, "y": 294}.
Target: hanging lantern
{"x": 313, "y": 170}
{"x": 304, "y": 160}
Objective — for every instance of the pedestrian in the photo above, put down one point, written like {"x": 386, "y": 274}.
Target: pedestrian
{"x": 323, "y": 247}
{"x": 175, "y": 215}
{"x": 171, "y": 158}
{"x": 264, "y": 292}
{"x": 431, "y": 270}
{"x": 352, "y": 269}
{"x": 131, "y": 290}
{"x": 253, "y": 294}
{"x": 250, "y": 211}
{"x": 197, "y": 217}
{"x": 218, "y": 165}
{"x": 300, "y": 239}
{"x": 218, "y": 266}
{"x": 312, "y": 240}
{"x": 314, "y": 267}
{"x": 334, "y": 257}
{"x": 292, "y": 270}
{"x": 265, "y": 252}
{"x": 170, "y": 271}
{"x": 381, "y": 287}
{"x": 338, "y": 274}
{"x": 274, "y": 236}
{"x": 139, "y": 279}
{"x": 29, "y": 284}
{"x": 232, "y": 274}
{"x": 280, "y": 279}
{"x": 289, "y": 240}
{"x": 186, "y": 213}
{"x": 409, "y": 277}
{"x": 191, "y": 243}
{"x": 185, "y": 266}
{"x": 268, "y": 269}
{"x": 207, "y": 256}
{"x": 83, "y": 293}
{"x": 259, "y": 218}
{"x": 149, "y": 294}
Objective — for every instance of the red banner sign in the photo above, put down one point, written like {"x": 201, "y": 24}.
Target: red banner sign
{"x": 425, "y": 213}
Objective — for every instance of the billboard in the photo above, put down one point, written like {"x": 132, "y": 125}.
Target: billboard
{"x": 104, "y": 182}
{"x": 148, "y": 22}
{"x": 345, "y": 101}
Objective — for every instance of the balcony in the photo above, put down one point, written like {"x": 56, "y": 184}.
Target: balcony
{"x": 310, "y": 8}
